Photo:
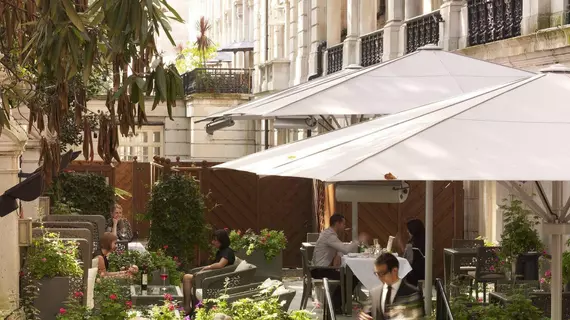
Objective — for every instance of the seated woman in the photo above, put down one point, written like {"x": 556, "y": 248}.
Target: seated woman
{"x": 414, "y": 251}
{"x": 118, "y": 225}
{"x": 225, "y": 256}
{"x": 108, "y": 244}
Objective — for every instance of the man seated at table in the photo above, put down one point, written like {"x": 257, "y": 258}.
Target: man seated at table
{"x": 328, "y": 250}
{"x": 395, "y": 298}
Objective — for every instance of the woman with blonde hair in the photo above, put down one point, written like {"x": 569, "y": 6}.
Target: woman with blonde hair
{"x": 119, "y": 225}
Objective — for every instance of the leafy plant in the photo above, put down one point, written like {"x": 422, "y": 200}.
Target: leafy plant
{"x": 64, "y": 207}
{"x": 190, "y": 57}
{"x": 111, "y": 299}
{"x": 566, "y": 267}
{"x": 518, "y": 308}
{"x": 177, "y": 212}
{"x": 88, "y": 193}
{"x": 519, "y": 235}
{"x": 49, "y": 257}
{"x": 272, "y": 242}
{"x": 151, "y": 260}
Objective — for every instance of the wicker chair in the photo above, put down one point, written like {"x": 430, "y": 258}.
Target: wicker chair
{"x": 308, "y": 281}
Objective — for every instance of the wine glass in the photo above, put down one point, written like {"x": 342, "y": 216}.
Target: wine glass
{"x": 163, "y": 276}
{"x": 123, "y": 234}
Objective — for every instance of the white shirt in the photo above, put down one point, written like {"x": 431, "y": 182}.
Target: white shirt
{"x": 328, "y": 246}
{"x": 395, "y": 288}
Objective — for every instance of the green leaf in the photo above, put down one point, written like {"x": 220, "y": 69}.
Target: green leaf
{"x": 140, "y": 82}
{"x": 161, "y": 82}
{"x": 178, "y": 17}
{"x": 72, "y": 15}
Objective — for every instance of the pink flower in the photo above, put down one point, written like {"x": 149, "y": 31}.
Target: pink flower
{"x": 78, "y": 294}
{"x": 44, "y": 259}
{"x": 113, "y": 296}
{"x": 62, "y": 311}
{"x": 129, "y": 304}
{"x": 171, "y": 307}
{"x": 175, "y": 258}
{"x": 168, "y": 297}
{"x": 542, "y": 280}
{"x": 548, "y": 274}
{"x": 22, "y": 273}
{"x": 492, "y": 268}
{"x": 165, "y": 247}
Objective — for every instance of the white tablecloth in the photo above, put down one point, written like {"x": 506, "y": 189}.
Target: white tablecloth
{"x": 137, "y": 246}
{"x": 363, "y": 269}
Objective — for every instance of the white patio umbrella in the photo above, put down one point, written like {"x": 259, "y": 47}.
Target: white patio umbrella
{"x": 509, "y": 132}
{"x": 425, "y": 76}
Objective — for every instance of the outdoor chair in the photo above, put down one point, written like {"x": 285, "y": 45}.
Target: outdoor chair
{"x": 84, "y": 257}
{"x": 467, "y": 264}
{"x": 80, "y": 233}
{"x": 253, "y": 291}
{"x": 199, "y": 275}
{"x": 214, "y": 286}
{"x": 488, "y": 269}
{"x": 312, "y": 237}
{"x": 68, "y": 225}
{"x": 98, "y": 222}
{"x": 308, "y": 281}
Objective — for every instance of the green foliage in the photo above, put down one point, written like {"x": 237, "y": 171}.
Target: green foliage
{"x": 190, "y": 57}
{"x": 88, "y": 193}
{"x": 272, "y": 242}
{"x": 177, "y": 212}
{"x": 151, "y": 260}
{"x": 64, "y": 207}
{"x": 49, "y": 257}
{"x": 519, "y": 233}
{"x": 518, "y": 308}
{"x": 566, "y": 267}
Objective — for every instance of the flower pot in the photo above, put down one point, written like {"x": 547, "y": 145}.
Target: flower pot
{"x": 527, "y": 266}
{"x": 265, "y": 269}
{"x": 53, "y": 293}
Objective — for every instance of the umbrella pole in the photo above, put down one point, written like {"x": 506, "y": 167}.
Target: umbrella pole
{"x": 556, "y": 263}
{"x": 354, "y": 220}
{"x": 428, "y": 283}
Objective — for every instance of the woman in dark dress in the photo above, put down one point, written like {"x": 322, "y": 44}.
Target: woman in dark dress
{"x": 415, "y": 251}
{"x": 108, "y": 243}
{"x": 225, "y": 256}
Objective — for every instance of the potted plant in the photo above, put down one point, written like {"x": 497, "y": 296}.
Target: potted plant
{"x": 153, "y": 261}
{"x": 520, "y": 243}
{"x": 53, "y": 269}
{"x": 264, "y": 250}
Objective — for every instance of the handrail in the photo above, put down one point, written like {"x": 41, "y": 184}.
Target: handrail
{"x": 443, "y": 310}
{"x": 328, "y": 308}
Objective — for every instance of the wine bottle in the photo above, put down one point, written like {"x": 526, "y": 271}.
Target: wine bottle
{"x": 144, "y": 278}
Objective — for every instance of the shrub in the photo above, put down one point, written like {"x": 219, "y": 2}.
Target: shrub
{"x": 49, "y": 257}
{"x": 177, "y": 213}
{"x": 151, "y": 260}
{"x": 87, "y": 193}
{"x": 272, "y": 242}
{"x": 519, "y": 235}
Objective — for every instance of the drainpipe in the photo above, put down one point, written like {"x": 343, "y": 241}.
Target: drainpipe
{"x": 266, "y": 58}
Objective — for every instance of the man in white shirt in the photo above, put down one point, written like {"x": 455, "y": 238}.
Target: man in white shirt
{"x": 395, "y": 298}
{"x": 328, "y": 249}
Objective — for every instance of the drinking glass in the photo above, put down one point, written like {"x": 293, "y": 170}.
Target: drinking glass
{"x": 163, "y": 276}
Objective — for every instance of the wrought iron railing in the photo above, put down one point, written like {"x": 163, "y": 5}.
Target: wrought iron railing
{"x": 422, "y": 30}
{"x": 442, "y": 309}
{"x": 334, "y": 58}
{"x": 217, "y": 80}
{"x": 492, "y": 20}
{"x": 371, "y": 48}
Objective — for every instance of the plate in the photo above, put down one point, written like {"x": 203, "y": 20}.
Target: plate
{"x": 353, "y": 255}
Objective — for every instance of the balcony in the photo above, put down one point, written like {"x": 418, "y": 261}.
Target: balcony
{"x": 371, "y": 48}
{"x": 493, "y": 20}
{"x": 217, "y": 80}
{"x": 423, "y": 30}
{"x": 334, "y": 58}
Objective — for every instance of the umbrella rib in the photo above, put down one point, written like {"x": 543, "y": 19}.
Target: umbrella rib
{"x": 517, "y": 84}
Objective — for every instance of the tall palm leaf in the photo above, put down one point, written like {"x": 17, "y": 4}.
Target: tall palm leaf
{"x": 203, "y": 42}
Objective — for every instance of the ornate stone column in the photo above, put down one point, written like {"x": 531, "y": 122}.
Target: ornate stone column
{"x": 536, "y": 15}
{"x": 318, "y": 31}
{"x": 351, "y": 50}
{"x": 303, "y": 41}
{"x": 394, "y": 20}
{"x": 453, "y": 24}
{"x": 292, "y": 40}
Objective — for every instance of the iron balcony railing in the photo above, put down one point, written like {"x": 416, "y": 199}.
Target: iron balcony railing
{"x": 217, "y": 80}
{"x": 493, "y": 20}
{"x": 371, "y": 48}
{"x": 334, "y": 58}
{"x": 423, "y": 30}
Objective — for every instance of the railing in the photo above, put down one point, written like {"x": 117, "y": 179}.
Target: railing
{"x": 442, "y": 310}
{"x": 334, "y": 58}
{"x": 371, "y": 48}
{"x": 328, "y": 308}
{"x": 217, "y": 80}
{"x": 423, "y": 30}
{"x": 492, "y": 20}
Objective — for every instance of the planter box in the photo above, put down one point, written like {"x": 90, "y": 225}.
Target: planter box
{"x": 265, "y": 269}
{"x": 527, "y": 266}
{"x": 53, "y": 293}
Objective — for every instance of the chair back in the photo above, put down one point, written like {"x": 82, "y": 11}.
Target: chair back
{"x": 466, "y": 244}
{"x": 98, "y": 222}
{"x": 69, "y": 225}
{"x": 79, "y": 233}
{"x": 488, "y": 263}
{"x": 305, "y": 264}
{"x": 312, "y": 237}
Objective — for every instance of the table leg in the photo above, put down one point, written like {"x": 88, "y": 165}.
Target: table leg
{"x": 348, "y": 291}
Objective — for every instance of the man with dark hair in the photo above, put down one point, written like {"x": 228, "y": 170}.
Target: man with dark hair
{"x": 395, "y": 298}
{"x": 329, "y": 249}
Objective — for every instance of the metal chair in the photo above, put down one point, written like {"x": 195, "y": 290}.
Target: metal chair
{"x": 312, "y": 237}
{"x": 488, "y": 269}
{"x": 328, "y": 308}
{"x": 308, "y": 281}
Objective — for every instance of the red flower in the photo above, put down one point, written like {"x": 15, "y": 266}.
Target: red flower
{"x": 168, "y": 297}
{"x": 268, "y": 235}
{"x": 175, "y": 258}
{"x": 171, "y": 307}
{"x": 62, "y": 311}
{"x": 78, "y": 294}
{"x": 22, "y": 273}
{"x": 226, "y": 228}
{"x": 165, "y": 247}
{"x": 113, "y": 296}
{"x": 129, "y": 304}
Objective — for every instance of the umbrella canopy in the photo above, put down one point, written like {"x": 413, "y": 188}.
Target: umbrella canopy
{"x": 509, "y": 132}
{"x": 238, "y": 46}
{"x": 425, "y": 76}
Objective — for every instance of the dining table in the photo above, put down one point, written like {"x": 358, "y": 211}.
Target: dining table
{"x": 362, "y": 267}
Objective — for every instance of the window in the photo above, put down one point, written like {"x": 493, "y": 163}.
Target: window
{"x": 145, "y": 144}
